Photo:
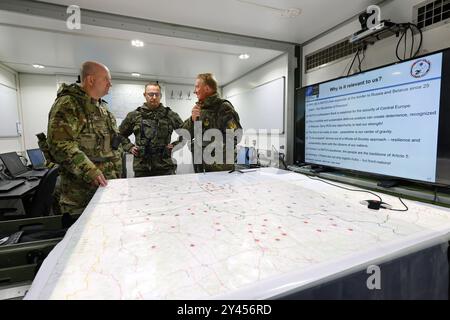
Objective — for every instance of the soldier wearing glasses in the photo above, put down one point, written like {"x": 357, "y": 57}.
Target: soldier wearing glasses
{"x": 152, "y": 125}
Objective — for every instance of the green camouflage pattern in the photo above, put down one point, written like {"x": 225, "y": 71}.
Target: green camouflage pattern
{"x": 152, "y": 130}
{"x": 42, "y": 143}
{"x": 80, "y": 131}
{"x": 215, "y": 113}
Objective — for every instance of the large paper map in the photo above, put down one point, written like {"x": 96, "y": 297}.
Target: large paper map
{"x": 221, "y": 235}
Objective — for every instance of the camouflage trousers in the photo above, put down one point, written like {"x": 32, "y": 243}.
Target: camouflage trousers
{"x": 153, "y": 173}
{"x": 56, "y": 197}
{"x": 154, "y": 166}
{"x": 199, "y": 168}
{"x": 76, "y": 193}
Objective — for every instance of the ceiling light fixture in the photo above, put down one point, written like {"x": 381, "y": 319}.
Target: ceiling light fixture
{"x": 137, "y": 43}
{"x": 38, "y": 66}
{"x": 244, "y": 56}
{"x": 291, "y": 12}
{"x": 135, "y": 74}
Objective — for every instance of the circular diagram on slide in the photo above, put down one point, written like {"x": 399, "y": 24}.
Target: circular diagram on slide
{"x": 420, "y": 68}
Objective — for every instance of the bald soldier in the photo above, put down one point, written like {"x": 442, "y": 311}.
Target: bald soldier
{"x": 82, "y": 138}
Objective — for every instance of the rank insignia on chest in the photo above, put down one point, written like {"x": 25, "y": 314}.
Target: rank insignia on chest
{"x": 206, "y": 122}
{"x": 232, "y": 125}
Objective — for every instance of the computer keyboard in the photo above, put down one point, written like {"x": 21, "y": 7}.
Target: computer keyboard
{"x": 12, "y": 239}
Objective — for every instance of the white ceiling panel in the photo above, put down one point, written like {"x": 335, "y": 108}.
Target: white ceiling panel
{"x": 268, "y": 19}
{"x": 27, "y": 40}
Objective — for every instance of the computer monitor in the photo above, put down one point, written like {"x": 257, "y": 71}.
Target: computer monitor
{"x": 13, "y": 163}
{"x": 36, "y": 157}
{"x": 243, "y": 156}
{"x": 390, "y": 121}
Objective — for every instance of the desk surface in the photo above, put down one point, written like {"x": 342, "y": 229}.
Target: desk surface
{"x": 227, "y": 236}
{"x": 21, "y": 190}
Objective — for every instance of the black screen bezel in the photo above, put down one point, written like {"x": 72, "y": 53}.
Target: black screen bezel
{"x": 443, "y": 141}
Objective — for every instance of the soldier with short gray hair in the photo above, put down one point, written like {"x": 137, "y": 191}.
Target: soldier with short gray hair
{"x": 211, "y": 112}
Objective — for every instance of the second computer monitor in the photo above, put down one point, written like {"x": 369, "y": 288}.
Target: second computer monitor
{"x": 36, "y": 157}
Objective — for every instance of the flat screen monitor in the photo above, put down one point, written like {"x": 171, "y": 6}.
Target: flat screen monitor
{"x": 391, "y": 121}
{"x": 242, "y": 156}
{"x": 36, "y": 157}
{"x": 13, "y": 163}
{"x": 246, "y": 156}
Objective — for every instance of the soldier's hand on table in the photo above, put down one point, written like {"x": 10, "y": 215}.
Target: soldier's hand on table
{"x": 100, "y": 181}
{"x": 195, "y": 112}
{"x": 135, "y": 151}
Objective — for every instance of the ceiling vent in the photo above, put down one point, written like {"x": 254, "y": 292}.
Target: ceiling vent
{"x": 333, "y": 53}
{"x": 431, "y": 13}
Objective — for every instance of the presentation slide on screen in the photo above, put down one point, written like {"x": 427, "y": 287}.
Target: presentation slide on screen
{"x": 383, "y": 121}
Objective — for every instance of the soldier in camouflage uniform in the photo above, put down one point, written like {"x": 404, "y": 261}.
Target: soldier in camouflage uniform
{"x": 82, "y": 138}
{"x": 42, "y": 143}
{"x": 152, "y": 125}
{"x": 213, "y": 113}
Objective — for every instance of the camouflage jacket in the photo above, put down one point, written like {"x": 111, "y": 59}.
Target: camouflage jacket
{"x": 43, "y": 145}
{"x": 80, "y": 132}
{"x": 150, "y": 127}
{"x": 216, "y": 113}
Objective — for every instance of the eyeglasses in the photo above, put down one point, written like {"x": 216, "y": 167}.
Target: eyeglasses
{"x": 151, "y": 94}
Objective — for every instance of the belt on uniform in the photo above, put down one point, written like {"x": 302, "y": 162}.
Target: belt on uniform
{"x": 99, "y": 159}
{"x": 158, "y": 150}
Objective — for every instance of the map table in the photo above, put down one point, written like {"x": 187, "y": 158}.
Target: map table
{"x": 255, "y": 235}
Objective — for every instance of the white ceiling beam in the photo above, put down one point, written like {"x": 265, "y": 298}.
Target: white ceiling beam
{"x": 109, "y": 20}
